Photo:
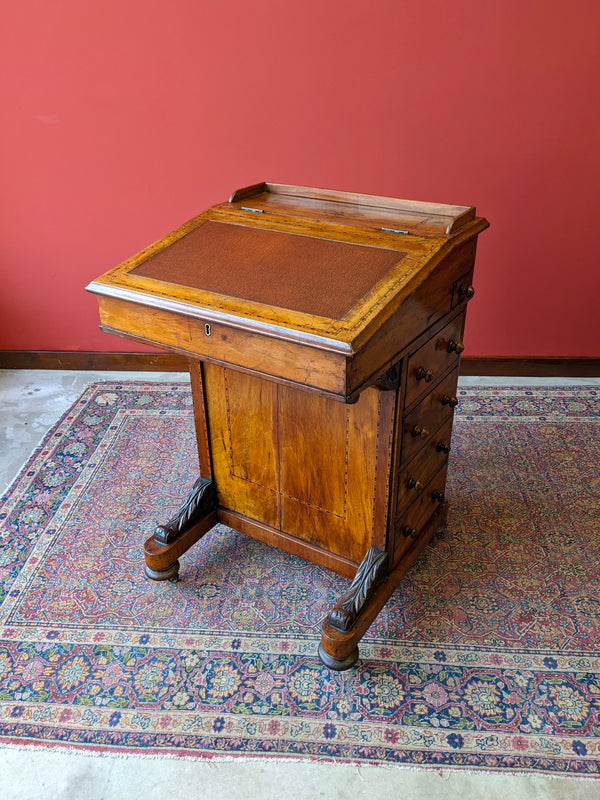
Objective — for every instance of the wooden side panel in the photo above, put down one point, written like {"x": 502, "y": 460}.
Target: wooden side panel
{"x": 329, "y": 455}
{"x": 306, "y": 465}
{"x": 242, "y": 412}
{"x": 251, "y": 417}
{"x": 200, "y": 418}
{"x": 384, "y": 489}
{"x": 313, "y": 441}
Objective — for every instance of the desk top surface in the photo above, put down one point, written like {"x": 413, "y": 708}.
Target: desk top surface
{"x": 305, "y": 274}
{"x": 296, "y": 262}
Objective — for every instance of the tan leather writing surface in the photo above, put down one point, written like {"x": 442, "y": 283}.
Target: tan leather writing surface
{"x": 302, "y": 273}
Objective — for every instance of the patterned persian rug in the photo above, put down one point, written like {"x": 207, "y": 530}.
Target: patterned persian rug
{"x": 487, "y": 656}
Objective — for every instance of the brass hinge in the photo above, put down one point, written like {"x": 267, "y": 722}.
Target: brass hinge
{"x": 396, "y": 230}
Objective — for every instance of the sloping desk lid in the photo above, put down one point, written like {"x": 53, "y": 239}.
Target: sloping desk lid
{"x": 300, "y": 264}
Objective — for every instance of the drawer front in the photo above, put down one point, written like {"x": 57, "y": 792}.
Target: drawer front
{"x": 410, "y": 525}
{"x": 434, "y": 409}
{"x": 423, "y": 467}
{"x": 279, "y": 359}
{"x": 462, "y": 289}
{"x": 433, "y": 359}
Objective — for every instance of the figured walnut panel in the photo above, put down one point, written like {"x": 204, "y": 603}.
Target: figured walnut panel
{"x": 251, "y": 421}
{"x": 313, "y": 445}
{"x": 334, "y": 506}
{"x": 300, "y": 463}
{"x": 242, "y": 422}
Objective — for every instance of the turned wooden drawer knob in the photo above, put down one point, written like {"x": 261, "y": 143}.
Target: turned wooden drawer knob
{"x": 466, "y": 291}
{"x": 420, "y": 431}
{"x": 412, "y": 532}
{"x": 455, "y": 347}
{"x": 411, "y": 483}
{"x": 442, "y": 447}
{"x": 449, "y": 401}
{"x": 423, "y": 373}
{"x": 437, "y": 495}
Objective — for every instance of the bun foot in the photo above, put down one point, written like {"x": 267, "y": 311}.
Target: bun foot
{"x": 336, "y": 663}
{"x": 171, "y": 573}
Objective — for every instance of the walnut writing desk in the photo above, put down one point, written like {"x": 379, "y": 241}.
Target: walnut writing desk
{"x": 324, "y": 331}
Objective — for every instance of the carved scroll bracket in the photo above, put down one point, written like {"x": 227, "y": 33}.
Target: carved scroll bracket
{"x": 199, "y": 502}
{"x": 371, "y": 572}
{"x": 390, "y": 380}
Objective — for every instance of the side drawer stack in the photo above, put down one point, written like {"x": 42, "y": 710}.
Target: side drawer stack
{"x": 426, "y": 430}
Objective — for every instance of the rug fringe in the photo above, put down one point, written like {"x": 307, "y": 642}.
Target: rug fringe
{"x": 215, "y": 759}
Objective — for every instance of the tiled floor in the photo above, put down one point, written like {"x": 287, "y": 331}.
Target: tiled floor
{"x": 30, "y": 403}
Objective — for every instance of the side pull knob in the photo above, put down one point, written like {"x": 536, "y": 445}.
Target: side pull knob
{"x": 424, "y": 374}
{"x": 466, "y": 291}
{"x": 420, "y": 431}
{"x": 455, "y": 347}
{"x": 448, "y": 400}
{"x": 437, "y": 495}
{"x": 411, "y": 483}
{"x": 442, "y": 447}
{"x": 412, "y": 532}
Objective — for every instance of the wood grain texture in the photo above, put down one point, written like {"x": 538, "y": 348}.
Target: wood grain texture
{"x": 429, "y": 303}
{"x": 197, "y": 382}
{"x": 433, "y": 359}
{"x": 299, "y": 364}
{"x": 372, "y": 210}
{"x": 244, "y": 443}
{"x": 419, "y": 471}
{"x": 297, "y": 315}
{"x": 328, "y": 456}
{"x": 295, "y": 461}
{"x": 416, "y": 518}
{"x": 161, "y": 558}
{"x": 290, "y": 544}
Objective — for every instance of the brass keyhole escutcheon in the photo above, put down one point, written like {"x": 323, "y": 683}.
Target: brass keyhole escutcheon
{"x": 207, "y": 329}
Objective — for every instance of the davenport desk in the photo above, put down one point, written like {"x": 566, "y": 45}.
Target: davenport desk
{"x": 324, "y": 331}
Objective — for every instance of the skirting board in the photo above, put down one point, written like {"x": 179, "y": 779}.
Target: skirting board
{"x": 542, "y": 366}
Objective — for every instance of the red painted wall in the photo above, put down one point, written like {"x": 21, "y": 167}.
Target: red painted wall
{"x": 123, "y": 118}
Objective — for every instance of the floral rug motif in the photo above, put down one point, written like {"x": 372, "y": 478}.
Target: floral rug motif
{"x": 487, "y": 656}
